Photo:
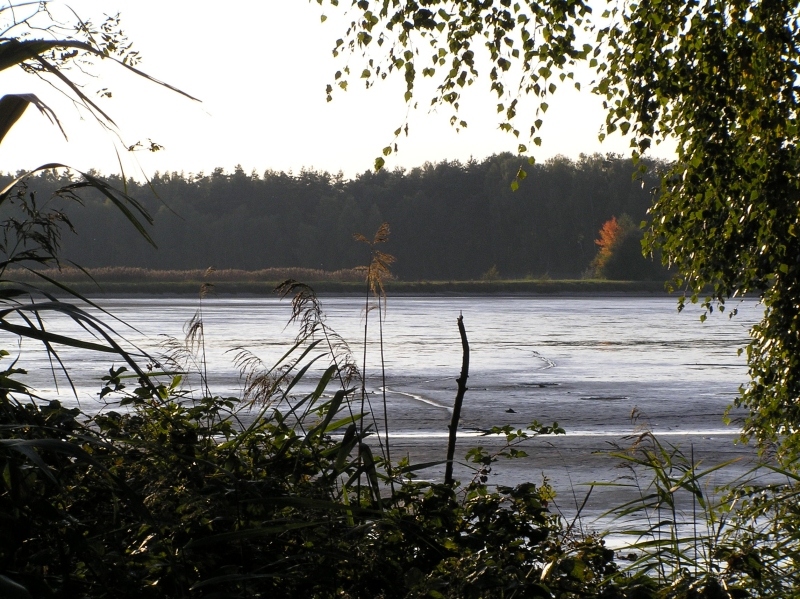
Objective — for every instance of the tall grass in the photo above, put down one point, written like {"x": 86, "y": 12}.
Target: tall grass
{"x": 687, "y": 537}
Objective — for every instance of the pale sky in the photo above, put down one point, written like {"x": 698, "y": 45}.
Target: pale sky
{"x": 260, "y": 68}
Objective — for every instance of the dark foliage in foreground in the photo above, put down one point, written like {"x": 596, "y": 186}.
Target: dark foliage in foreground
{"x": 175, "y": 498}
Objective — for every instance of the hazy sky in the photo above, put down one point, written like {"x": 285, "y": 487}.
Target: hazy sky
{"x": 260, "y": 68}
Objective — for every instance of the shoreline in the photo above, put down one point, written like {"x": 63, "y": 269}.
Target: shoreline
{"x": 566, "y": 287}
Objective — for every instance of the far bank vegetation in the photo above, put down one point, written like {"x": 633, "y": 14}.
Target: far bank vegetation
{"x": 135, "y": 274}
{"x": 450, "y": 221}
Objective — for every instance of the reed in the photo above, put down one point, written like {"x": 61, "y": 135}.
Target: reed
{"x": 687, "y": 537}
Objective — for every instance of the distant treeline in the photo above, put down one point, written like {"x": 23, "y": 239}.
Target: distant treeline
{"x": 449, "y": 221}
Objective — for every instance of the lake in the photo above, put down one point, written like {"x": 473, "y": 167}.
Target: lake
{"x": 587, "y": 362}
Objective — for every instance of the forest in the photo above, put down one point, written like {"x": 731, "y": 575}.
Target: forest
{"x": 449, "y": 221}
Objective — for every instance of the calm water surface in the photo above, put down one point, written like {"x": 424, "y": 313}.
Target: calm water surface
{"x": 586, "y": 362}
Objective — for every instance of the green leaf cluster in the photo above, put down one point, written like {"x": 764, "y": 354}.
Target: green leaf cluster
{"x": 721, "y": 78}
{"x": 536, "y": 44}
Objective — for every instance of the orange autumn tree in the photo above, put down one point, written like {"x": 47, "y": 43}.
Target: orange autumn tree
{"x": 612, "y": 234}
